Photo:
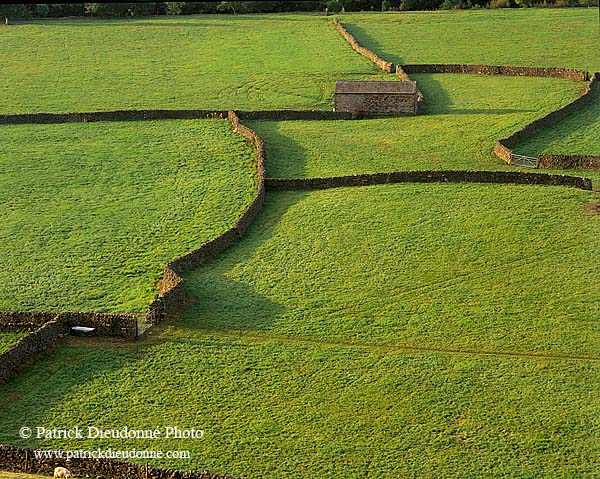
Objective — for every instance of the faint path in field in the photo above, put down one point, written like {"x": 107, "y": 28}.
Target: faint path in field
{"x": 270, "y": 338}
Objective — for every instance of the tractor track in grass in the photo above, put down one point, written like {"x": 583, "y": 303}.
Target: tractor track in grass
{"x": 387, "y": 348}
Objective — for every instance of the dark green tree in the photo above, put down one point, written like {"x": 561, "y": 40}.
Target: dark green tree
{"x": 11, "y": 10}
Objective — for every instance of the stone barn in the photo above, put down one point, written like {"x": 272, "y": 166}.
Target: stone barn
{"x": 376, "y": 98}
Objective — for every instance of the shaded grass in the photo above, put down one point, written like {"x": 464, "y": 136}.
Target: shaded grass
{"x": 465, "y": 115}
{"x": 577, "y": 134}
{"x": 91, "y": 212}
{"x": 9, "y": 339}
{"x": 565, "y": 37}
{"x": 214, "y": 61}
{"x": 290, "y": 410}
{"x": 478, "y": 267}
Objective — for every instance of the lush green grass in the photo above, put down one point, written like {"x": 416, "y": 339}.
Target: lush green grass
{"x": 565, "y": 37}
{"x": 437, "y": 266}
{"x": 534, "y": 37}
{"x": 273, "y": 409}
{"x": 577, "y": 134}
{"x": 324, "y": 345}
{"x": 465, "y": 116}
{"x": 221, "y": 62}
{"x": 306, "y": 338}
{"x": 91, "y": 212}
{"x": 8, "y": 339}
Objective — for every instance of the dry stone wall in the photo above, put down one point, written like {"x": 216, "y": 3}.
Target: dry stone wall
{"x": 174, "y": 295}
{"x": 116, "y": 115}
{"x": 403, "y": 76}
{"x": 503, "y": 148}
{"x": 285, "y": 115}
{"x": 23, "y": 460}
{"x": 567, "y": 73}
{"x": 569, "y": 162}
{"x": 385, "y": 66}
{"x": 46, "y": 328}
{"x": 144, "y": 115}
{"x": 24, "y": 321}
{"x": 16, "y": 357}
{"x": 106, "y": 324}
{"x": 516, "y": 177}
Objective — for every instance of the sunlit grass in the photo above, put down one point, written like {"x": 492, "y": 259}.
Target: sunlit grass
{"x": 465, "y": 115}
{"x": 437, "y": 266}
{"x": 220, "y": 62}
{"x": 564, "y": 37}
{"x": 91, "y": 212}
{"x": 8, "y": 339}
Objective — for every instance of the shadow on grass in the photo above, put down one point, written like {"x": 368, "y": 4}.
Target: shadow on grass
{"x": 559, "y": 132}
{"x": 30, "y": 397}
{"x": 225, "y": 304}
{"x": 286, "y": 158}
{"x": 367, "y": 41}
{"x": 437, "y": 99}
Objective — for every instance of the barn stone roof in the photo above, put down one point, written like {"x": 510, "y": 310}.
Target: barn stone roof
{"x": 369, "y": 87}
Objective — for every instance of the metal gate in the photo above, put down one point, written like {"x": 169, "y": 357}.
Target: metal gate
{"x": 522, "y": 160}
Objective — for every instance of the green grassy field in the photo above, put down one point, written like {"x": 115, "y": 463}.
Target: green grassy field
{"x": 8, "y": 339}
{"x": 328, "y": 411}
{"x": 565, "y": 37}
{"x": 220, "y": 62}
{"x": 426, "y": 330}
{"x": 336, "y": 338}
{"x": 577, "y": 134}
{"x": 91, "y": 212}
{"x": 404, "y": 264}
{"x": 534, "y": 37}
{"x": 465, "y": 116}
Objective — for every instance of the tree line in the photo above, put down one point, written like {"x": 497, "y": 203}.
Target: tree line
{"x": 57, "y": 10}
